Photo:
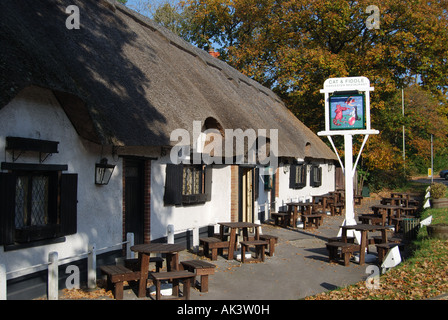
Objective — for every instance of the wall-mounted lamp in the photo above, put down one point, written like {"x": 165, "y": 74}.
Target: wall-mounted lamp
{"x": 286, "y": 168}
{"x": 103, "y": 172}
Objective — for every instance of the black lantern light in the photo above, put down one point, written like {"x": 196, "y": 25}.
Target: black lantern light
{"x": 103, "y": 172}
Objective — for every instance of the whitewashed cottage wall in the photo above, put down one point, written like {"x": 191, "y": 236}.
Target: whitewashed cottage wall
{"x": 35, "y": 113}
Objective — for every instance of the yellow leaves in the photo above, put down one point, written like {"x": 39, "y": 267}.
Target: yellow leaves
{"x": 381, "y": 154}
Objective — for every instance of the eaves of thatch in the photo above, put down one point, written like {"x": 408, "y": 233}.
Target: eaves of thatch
{"x": 123, "y": 80}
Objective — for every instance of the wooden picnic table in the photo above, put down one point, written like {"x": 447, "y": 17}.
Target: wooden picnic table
{"x": 386, "y": 211}
{"x": 364, "y": 229}
{"x": 144, "y": 252}
{"x": 305, "y": 208}
{"x": 395, "y": 201}
{"x": 324, "y": 200}
{"x": 400, "y": 195}
{"x": 234, "y": 226}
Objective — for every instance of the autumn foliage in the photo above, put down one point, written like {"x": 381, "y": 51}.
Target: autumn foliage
{"x": 292, "y": 46}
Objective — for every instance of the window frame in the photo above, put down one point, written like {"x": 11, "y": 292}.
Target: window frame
{"x": 62, "y": 206}
{"x": 294, "y": 170}
{"x": 315, "y": 176}
{"x": 174, "y": 185}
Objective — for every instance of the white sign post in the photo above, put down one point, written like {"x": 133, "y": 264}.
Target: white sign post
{"x": 347, "y": 113}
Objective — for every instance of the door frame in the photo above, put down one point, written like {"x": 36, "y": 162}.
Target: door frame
{"x": 242, "y": 170}
{"x": 144, "y": 167}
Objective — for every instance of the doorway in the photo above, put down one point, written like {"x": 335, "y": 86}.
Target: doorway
{"x": 246, "y": 194}
{"x": 134, "y": 198}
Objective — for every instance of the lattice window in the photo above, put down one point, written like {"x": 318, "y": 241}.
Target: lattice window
{"x": 31, "y": 205}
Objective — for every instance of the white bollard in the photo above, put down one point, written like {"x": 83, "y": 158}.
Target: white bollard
{"x": 195, "y": 239}
{"x": 130, "y": 242}
{"x": 53, "y": 276}
{"x": 91, "y": 267}
{"x": 170, "y": 231}
{"x": 3, "y": 284}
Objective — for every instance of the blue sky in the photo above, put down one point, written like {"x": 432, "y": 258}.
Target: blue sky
{"x": 139, "y": 5}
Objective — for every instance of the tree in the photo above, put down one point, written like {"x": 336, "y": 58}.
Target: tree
{"x": 293, "y": 46}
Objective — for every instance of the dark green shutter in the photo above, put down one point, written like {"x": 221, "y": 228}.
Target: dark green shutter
{"x": 208, "y": 182}
{"x": 173, "y": 185}
{"x": 292, "y": 176}
{"x": 69, "y": 203}
{"x": 7, "y": 207}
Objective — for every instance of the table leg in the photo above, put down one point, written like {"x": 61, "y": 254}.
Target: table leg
{"x": 172, "y": 261}
{"x": 384, "y": 235}
{"x": 344, "y": 235}
{"x": 144, "y": 269}
{"x": 232, "y": 243}
{"x": 362, "y": 250}
{"x": 294, "y": 219}
{"x": 245, "y": 234}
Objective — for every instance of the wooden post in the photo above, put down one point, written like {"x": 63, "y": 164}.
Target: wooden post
{"x": 53, "y": 276}
{"x": 170, "y": 231}
{"x": 91, "y": 267}
{"x": 3, "y": 284}
{"x": 130, "y": 242}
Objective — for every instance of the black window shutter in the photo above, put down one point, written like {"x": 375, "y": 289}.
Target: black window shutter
{"x": 7, "y": 207}
{"x": 312, "y": 176}
{"x": 173, "y": 185}
{"x": 319, "y": 174}
{"x": 69, "y": 203}
{"x": 208, "y": 183}
{"x": 292, "y": 177}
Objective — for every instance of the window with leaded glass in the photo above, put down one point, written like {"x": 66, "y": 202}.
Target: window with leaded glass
{"x": 297, "y": 178}
{"x": 192, "y": 180}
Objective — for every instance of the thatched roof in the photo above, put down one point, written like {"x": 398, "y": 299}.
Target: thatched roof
{"x": 124, "y": 80}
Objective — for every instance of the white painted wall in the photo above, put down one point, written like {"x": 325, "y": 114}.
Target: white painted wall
{"x": 187, "y": 217}
{"x": 285, "y": 194}
{"x": 35, "y": 113}
{"x": 306, "y": 193}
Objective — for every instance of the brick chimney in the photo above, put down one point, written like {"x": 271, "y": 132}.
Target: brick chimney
{"x": 213, "y": 53}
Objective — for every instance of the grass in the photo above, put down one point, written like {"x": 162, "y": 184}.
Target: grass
{"x": 423, "y": 275}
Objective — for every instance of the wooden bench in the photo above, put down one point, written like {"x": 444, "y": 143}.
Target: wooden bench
{"x": 174, "y": 276}
{"x": 383, "y": 249}
{"x": 347, "y": 249}
{"x": 311, "y": 219}
{"x": 213, "y": 244}
{"x": 260, "y": 247}
{"x": 116, "y": 275}
{"x": 370, "y": 218}
{"x": 336, "y": 208}
{"x": 271, "y": 240}
{"x": 134, "y": 264}
{"x": 200, "y": 268}
{"x": 281, "y": 219}
{"x": 358, "y": 199}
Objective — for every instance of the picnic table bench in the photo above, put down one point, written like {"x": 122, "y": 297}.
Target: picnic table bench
{"x": 175, "y": 276}
{"x": 336, "y": 208}
{"x": 271, "y": 240}
{"x": 311, "y": 219}
{"x": 346, "y": 250}
{"x": 281, "y": 218}
{"x": 383, "y": 249}
{"x": 200, "y": 268}
{"x": 116, "y": 275}
{"x": 259, "y": 245}
{"x": 213, "y": 244}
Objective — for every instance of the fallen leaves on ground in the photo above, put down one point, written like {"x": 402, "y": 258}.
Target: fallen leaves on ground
{"x": 423, "y": 276}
